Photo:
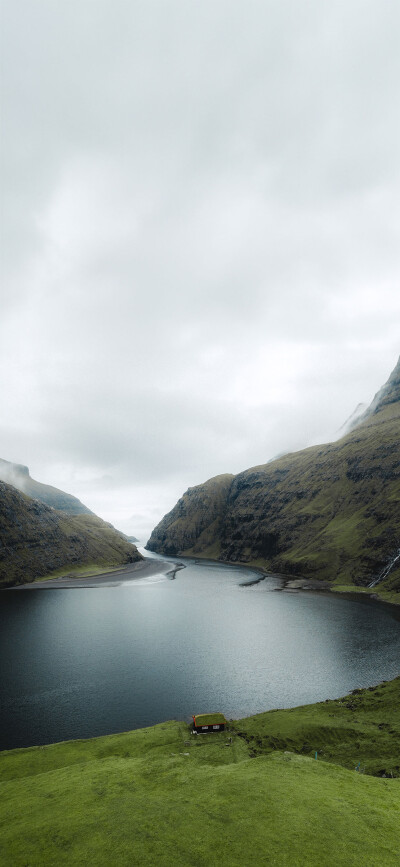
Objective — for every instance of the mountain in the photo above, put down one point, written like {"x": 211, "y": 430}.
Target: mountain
{"x": 36, "y": 539}
{"x": 18, "y": 476}
{"x": 353, "y": 420}
{"x": 196, "y": 522}
{"x": 329, "y": 512}
{"x": 388, "y": 395}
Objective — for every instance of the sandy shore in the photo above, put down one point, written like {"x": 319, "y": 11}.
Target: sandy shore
{"x": 132, "y": 572}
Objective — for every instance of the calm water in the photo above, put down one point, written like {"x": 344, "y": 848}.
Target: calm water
{"x": 84, "y": 662}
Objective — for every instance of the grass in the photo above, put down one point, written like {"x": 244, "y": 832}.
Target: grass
{"x": 380, "y": 592}
{"x": 88, "y": 571}
{"x": 361, "y": 727}
{"x": 209, "y": 719}
{"x": 161, "y": 796}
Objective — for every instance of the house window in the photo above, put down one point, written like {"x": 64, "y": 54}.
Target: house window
{"x": 215, "y": 727}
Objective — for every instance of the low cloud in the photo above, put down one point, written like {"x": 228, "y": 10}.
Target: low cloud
{"x": 201, "y": 237}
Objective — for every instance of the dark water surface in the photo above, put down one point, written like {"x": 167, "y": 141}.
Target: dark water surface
{"x": 84, "y": 662}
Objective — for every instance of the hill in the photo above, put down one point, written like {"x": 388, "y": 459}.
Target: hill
{"x": 196, "y": 522}
{"x": 253, "y": 795}
{"x": 36, "y": 539}
{"x": 329, "y": 512}
{"x": 18, "y": 476}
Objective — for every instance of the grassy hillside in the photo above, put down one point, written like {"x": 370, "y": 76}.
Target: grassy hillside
{"x": 363, "y": 727}
{"x": 36, "y": 540}
{"x": 163, "y": 796}
{"x": 330, "y": 512}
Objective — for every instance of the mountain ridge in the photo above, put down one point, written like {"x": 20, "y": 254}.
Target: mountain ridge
{"x": 330, "y": 511}
{"x": 19, "y": 477}
{"x": 36, "y": 539}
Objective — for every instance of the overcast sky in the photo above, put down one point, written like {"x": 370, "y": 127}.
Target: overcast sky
{"x": 200, "y": 229}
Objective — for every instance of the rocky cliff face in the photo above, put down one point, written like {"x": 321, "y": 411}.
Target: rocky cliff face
{"x": 18, "y": 476}
{"x": 330, "y": 511}
{"x": 195, "y": 523}
{"x": 35, "y": 539}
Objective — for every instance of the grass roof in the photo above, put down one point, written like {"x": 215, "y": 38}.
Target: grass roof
{"x": 209, "y": 719}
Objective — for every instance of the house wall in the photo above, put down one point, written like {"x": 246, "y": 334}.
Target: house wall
{"x": 203, "y": 729}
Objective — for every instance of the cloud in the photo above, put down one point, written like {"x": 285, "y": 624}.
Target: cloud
{"x": 201, "y": 233}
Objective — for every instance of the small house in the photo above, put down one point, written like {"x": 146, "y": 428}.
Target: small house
{"x": 208, "y": 722}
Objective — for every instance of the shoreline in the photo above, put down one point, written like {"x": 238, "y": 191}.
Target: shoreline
{"x": 113, "y": 577}
{"x": 291, "y": 584}
{"x": 355, "y": 592}
{"x": 148, "y": 566}
{"x": 274, "y": 710}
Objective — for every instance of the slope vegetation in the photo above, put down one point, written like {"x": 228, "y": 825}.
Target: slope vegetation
{"x": 35, "y": 539}
{"x": 329, "y": 512}
{"x": 196, "y": 523}
{"x": 162, "y": 796}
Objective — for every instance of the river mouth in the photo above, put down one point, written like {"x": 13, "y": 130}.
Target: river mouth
{"x": 215, "y": 637}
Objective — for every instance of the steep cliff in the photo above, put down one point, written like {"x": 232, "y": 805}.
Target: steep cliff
{"x": 329, "y": 512}
{"x": 195, "y": 524}
{"x": 35, "y": 539}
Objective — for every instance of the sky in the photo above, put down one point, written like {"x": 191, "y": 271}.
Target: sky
{"x": 200, "y": 237}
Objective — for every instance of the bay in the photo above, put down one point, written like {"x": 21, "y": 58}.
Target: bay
{"x": 86, "y": 662}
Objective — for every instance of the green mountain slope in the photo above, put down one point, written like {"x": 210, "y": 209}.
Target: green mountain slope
{"x": 35, "y": 539}
{"x": 329, "y": 512}
{"x": 162, "y": 796}
{"x": 18, "y": 476}
{"x": 196, "y": 522}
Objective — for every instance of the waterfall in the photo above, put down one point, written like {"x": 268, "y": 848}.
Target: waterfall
{"x": 386, "y": 570}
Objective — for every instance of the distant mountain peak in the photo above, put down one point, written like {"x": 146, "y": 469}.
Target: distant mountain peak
{"x": 10, "y": 472}
{"x": 353, "y": 419}
{"x": 390, "y": 392}
{"x": 387, "y": 395}
{"x": 18, "y": 476}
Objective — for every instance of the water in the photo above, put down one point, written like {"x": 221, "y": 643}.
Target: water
{"x": 84, "y": 662}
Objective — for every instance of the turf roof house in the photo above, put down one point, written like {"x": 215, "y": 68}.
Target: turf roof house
{"x": 208, "y": 722}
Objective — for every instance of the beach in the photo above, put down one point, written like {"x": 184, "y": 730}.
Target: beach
{"x": 142, "y": 569}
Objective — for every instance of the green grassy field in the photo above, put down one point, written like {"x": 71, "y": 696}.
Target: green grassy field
{"x": 162, "y": 796}
{"x": 363, "y": 727}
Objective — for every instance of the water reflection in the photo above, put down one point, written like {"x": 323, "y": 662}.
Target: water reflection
{"x": 88, "y": 662}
